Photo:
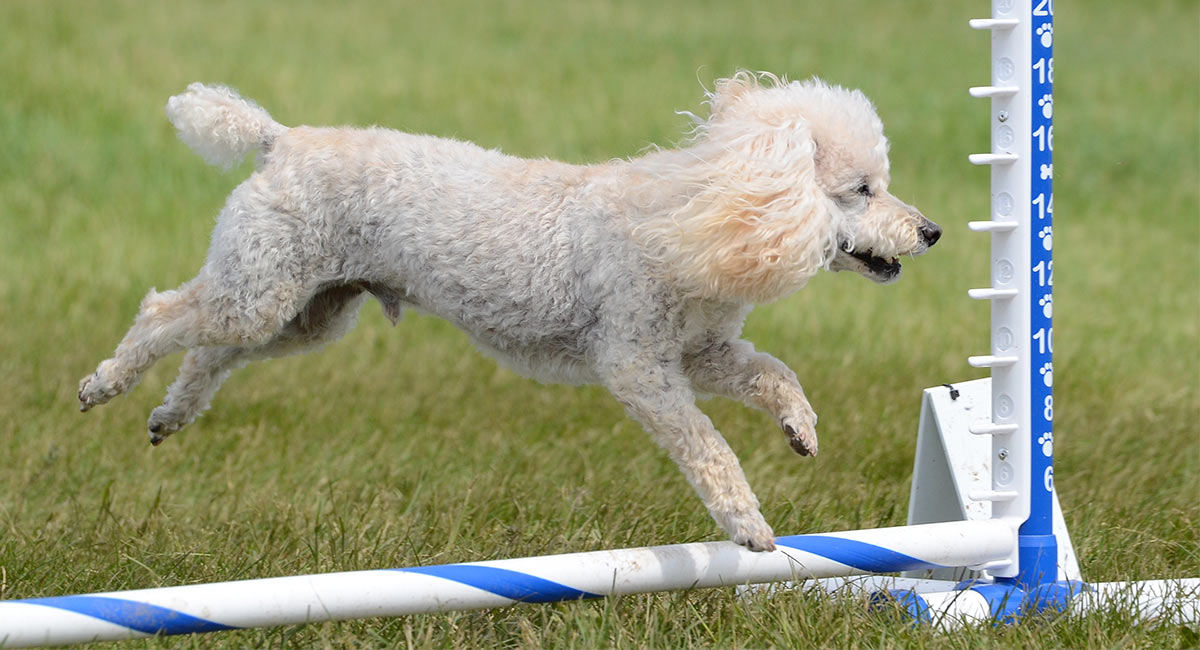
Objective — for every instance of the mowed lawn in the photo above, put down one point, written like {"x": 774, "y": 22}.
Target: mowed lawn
{"x": 401, "y": 445}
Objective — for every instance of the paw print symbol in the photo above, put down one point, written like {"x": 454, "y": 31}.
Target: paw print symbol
{"x": 1047, "y": 305}
{"x": 1047, "y": 442}
{"x": 1046, "y": 33}
{"x": 1047, "y": 104}
{"x": 1048, "y": 374}
{"x": 1047, "y": 171}
{"x": 1046, "y": 236}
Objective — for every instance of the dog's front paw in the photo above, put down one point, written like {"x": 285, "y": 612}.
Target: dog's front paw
{"x": 752, "y": 531}
{"x": 98, "y": 387}
{"x": 801, "y": 432}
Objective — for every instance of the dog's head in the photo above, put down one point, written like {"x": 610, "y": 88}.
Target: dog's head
{"x": 781, "y": 180}
{"x": 874, "y": 228}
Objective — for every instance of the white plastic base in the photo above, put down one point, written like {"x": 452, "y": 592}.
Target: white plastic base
{"x": 1175, "y": 602}
{"x": 954, "y": 464}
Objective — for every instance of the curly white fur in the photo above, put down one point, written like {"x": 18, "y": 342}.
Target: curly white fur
{"x": 220, "y": 125}
{"x": 755, "y": 225}
{"x": 634, "y": 274}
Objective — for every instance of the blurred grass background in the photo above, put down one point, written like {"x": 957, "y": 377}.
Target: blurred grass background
{"x": 402, "y": 446}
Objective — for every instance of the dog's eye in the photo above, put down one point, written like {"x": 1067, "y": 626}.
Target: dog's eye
{"x": 863, "y": 190}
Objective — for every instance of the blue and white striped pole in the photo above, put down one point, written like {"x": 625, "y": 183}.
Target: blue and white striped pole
{"x": 480, "y": 585}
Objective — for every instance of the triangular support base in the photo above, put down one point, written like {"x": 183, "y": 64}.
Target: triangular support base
{"x": 951, "y": 463}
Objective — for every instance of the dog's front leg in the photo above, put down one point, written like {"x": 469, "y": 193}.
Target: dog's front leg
{"x": 735, "y": 369}
{"x": 658, "y": 396}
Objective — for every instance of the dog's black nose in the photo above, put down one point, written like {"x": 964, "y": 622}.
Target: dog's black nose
{"x": 931, "y": 232}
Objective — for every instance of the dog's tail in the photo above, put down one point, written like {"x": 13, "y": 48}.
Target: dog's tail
{"x": 220, "y": 125}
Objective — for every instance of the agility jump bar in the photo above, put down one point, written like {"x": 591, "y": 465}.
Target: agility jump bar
{"x": 267, "y": 602}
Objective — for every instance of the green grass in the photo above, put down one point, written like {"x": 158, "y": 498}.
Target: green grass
{"x": 402, "y": 446}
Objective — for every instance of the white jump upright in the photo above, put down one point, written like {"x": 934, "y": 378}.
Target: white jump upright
{"x": 1021, "y": 426}
{"x": 987, "y": 508}
{"x": 1020, "y": 358}
{"x": 1012, "y": 479}
{"x": 1019, "y": 418}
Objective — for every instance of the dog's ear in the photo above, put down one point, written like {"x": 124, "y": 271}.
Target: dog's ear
{"x": 755, "y": 225}
{"x": 727, "y": 91}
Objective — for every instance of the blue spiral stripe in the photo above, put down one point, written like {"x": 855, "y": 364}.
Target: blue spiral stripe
{"x": 143, "y": 617}
{"x": 860, "y": 555}
{"x": 514, "y": 585}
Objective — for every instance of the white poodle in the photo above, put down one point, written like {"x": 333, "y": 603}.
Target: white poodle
{"x": 633, "y": 274}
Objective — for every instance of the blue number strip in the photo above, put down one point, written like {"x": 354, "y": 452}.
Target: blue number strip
{"x": 1037, "y": 554}
{"x": 514, "y": 585}
{"x": 1041, "y": 257}
{"x": 143, "y": 617}
{"x": 860, "y": 555}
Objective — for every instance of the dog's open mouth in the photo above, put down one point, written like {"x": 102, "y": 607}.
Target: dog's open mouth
{"x": 878, "y": 268}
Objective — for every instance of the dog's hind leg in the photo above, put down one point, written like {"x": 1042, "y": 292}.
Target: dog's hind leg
{"x": 166, "y": 322}
{"x": 253, "y": 283}
{"x": 201, "y": 374}
{"x": 734, "y": 369}
{"x": 189, "y": 317}
{"x": 657, "y": 395}
{"x": 327, "y": 316}
{"x": 258, "y": 276}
